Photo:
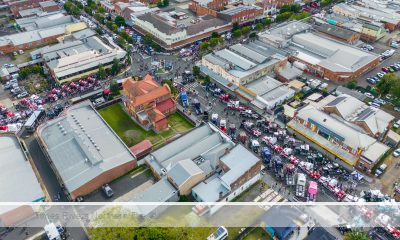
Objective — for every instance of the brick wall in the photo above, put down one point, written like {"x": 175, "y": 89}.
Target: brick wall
{"x": 17, "y": 215}
{"x": 11, "y": 48}
{"x": 104, "y": 178}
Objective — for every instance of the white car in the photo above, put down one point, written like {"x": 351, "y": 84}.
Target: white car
{"x": 369, "y": 95}
{"x": 396, "y": 153}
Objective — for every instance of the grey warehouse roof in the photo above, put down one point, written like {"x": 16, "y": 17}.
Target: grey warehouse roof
{"x": 82, "y": 146}
{"x": 204, "y": 142}
{"x": 183, "y": 170}
{"x": 330, "y": 54}
{"x": 18, "y": 182}
{"x": 339, "y": 32}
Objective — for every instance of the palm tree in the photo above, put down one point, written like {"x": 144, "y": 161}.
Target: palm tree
{"x": 356, "y": 235}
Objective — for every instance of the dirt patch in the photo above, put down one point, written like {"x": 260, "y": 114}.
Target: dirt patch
{"x": 35, "y": 83}
{"x": 133, "y": 134}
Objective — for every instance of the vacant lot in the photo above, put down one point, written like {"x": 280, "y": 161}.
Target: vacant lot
{"x": 131, "y": 133}
{"x": 257, "y": 234}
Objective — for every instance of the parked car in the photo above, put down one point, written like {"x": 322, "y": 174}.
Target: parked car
{"x": 22, "y": 95}
{"x": 396, "y": 153}
{"x": 369, "y": 95}
{"x": 107, "y": 190}
{"x": 380, "y": 170}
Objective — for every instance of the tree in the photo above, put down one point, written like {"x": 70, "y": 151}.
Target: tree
{"x": 285, "y": 8}
{"x": 283, "y": 16}
{"x": 253, "y": 35}
{"x": 203, "y": 46}
{"x": 300, "y": 16}
{"x": 214, "y": 42}
{"x": 235, "y": 26}
{"x": 99, "y": 18}
{"x": 237, "y": 33}
{"x": 259, "y": 26}
{"x": 196, "y": 70}
{"x": 115, "y": 68}
{"x": 101, "y": 10}
{"x": 352, "y": 235}
{"x": 221, "y": 40}
{"x": 88, "y": 10}
{"x": 246, "y": 30}
{"x": 124, "y": 35}
{"x": 207, "y": 79}
{"x": 214, "y": 35}
{"x": 384, "y": 86}
{"x": 114, "y": 88}
{"x": 267, "y": 22}
{"x": 101, "y": 73}
{"x": 295, "y": 8}
{"x": 114, "y": 28}
{"x": 120, "y": 41}
{"x": 120, "y": 21}
{"x": 352, "y": 84}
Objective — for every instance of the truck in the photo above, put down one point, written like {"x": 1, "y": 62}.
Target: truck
{"x": 266, "y": 155}
{"x": 34, "y": 120}
{"x": 300, "y": 184}
{"x": 184, "y": 99}
{"x": 289, "y": 170}
{"x": 197, "y": 106}
{"x": 255, "y": 145}
{"x": 214, "y": 118}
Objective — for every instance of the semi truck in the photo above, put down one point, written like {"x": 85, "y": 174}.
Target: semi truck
{"x": 300, "y": 185}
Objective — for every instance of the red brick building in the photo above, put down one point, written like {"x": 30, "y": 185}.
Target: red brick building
{"x": 338, "y": 33}
{"x": 148, "y": 102}
{"x": 207, "y": 7}
{"x": 240, "y": 13}
{"x": 43, "y": 5}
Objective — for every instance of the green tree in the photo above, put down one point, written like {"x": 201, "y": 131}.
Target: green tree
{"x": 203, "y": 46}
{"x": 214, "y": 42}
{"x": 101, "y": 10}
{"x": 259, "y": 26}
{"x": 221, "y": 40}
{"x": 214, "y": 35}
{"x": 237, "y": 33}
{"x": 285, "y": 8}
{"x": 101, "y": 73}
{"x": 300, "y": 16}
{"x": 253, "y": 35}
{"x": 99, "y": 31}
{"x": 89, "y": 10}
{"x": 246, "y": 30}
{"x": 174, "y": 91}
{"x": 120, "y": 21}
{"x": 124, "y": 35}
{"x": 295, "y": 8}
{"x": 384, "y": 86}
{"x": 114, "y": 88}
{"x": 352, "y": 84}
{"x": 356, "y": 235}
{"x": 283, "y": 16}
{"x": 120, "y": 41}
{"x": 148, "y": 39}
{"x": 207, "y": 79}
{"x": 196, "y": 70}
{"x": 235, "y": 26}
{"x": 114, "y": 27}
{"x": 116, "y": 67}
{"x": 99, "y": 18}
{"x": 267, "y": 22}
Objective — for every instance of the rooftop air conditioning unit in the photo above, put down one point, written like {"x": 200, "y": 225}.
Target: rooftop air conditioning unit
{"x": 163, "y": 171}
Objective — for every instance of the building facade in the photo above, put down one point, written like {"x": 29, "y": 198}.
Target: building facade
{"x": 207, "y": 7}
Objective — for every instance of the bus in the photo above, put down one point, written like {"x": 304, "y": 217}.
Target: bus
{"x": 34, "y": 120}
{"x": 220, "y": 234}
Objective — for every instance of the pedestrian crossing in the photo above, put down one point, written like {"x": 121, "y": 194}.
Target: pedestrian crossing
{"x": 190, "y": 86}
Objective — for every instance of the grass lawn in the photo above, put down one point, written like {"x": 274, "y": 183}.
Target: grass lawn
{"x": 131, "y": 133}
{"x": 257, "y": 233}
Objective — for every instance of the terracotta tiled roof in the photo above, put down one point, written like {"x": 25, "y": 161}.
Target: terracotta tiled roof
{"x": 155, "y": 115}
{"x": 145, "y": 90}
{"x": 141, "y": 147}
{"x": 165, "y": 105}
{"x": 137, "y": 88}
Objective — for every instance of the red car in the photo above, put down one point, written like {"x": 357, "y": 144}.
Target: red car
{"x": 225, "y": 97}
{"x": 385, "y": 69}
{"x": 278, "y": 148}
{"x": 294, "y": 160}
{"x": 256, "y": 132}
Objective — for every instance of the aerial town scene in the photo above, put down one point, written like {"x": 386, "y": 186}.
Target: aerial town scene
{"x": 200, "y": 119}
